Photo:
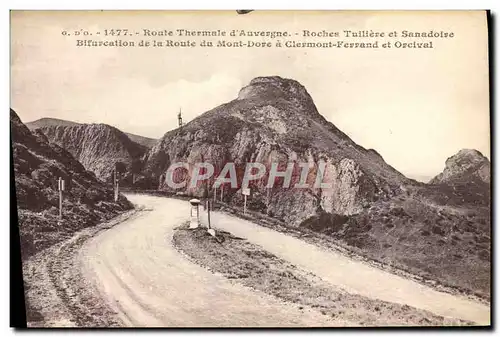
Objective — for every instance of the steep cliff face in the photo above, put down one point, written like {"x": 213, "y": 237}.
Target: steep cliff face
{"x": 38, "y": 165}
{"x": 46, "y": 122}
{"x": 274, "y": 120}
{"x": 97, "y": 146}
{"x": 465, "y": 166}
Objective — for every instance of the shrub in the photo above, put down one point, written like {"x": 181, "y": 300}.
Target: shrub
{"x": 437, "y": 230}
{"x": 325, "y": 222}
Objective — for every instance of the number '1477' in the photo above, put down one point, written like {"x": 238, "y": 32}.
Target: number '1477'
{"x": 116, "y": 32}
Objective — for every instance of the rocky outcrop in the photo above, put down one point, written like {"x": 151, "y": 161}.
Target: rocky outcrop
{"x": 465, "y": 166}
{"x": 46, "y": 122}
{"x": 274, "y": 120}
{"x": 38, "y": 165}
{"x": 97, "y": 146}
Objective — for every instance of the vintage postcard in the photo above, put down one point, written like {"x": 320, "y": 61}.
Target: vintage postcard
{"x": 252, "y": 168}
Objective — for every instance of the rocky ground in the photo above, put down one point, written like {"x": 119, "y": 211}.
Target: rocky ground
{"x": 250, "y": 265}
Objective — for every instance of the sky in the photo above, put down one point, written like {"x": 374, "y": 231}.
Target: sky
{"x": 416, "y": 107}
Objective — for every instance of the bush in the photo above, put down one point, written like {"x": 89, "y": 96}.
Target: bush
{"x": 325, "y": 222}
{"x": 437, "y": 230}
{"x": 398, "y": 211}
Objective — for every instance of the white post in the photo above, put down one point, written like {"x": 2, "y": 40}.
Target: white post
{"x": 245, "y": 192}
{"x": 60, "y": 184}
{"x": 221, "y": 192}
{"x": 208, "y": 214}
{"x": 215, "y": 194}
{"x": 268, "y": 199}
{"x": 115, "y": 182}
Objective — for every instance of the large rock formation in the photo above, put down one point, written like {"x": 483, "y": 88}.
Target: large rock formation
{"x": 46, "y": 122}
{"x": 275, "y": 120}
{"x": 465, "y": 166}
{"x": 38, "y": 165}
{"x": 97, "y": 146}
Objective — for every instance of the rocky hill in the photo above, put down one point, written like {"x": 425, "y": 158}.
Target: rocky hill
{"x": 464, "y": 181}
{"x": 97, "y": 146}
{"x": 275, "y": 120}
{"x": 38, "y": 164}
{"x": 46, "y": 122}
{"x": 465, "y": 166}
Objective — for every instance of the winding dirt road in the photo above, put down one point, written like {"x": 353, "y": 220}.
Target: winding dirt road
{"x": 148, "y": 283}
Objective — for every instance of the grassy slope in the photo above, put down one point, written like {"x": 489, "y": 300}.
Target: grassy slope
{"x": 430, "y": 232}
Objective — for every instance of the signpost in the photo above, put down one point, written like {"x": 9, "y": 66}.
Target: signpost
{"x": 115, "y": 183}
{"x": 160, "y": 181}
{"x": 208, "y": 214}
{"x": 245, "y": 192}
{"x": 268, "y": 199}
{"x": 60, "y": 185}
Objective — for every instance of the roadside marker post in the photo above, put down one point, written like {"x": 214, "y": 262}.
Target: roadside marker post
{"x": 268, "y": 199}
{"x": 116, "y": 185}
{"x": 60, "y": 186}
{"x": 245, "y": 192}
{"x": 195, "y": 219}
{"x": 208, "y": 214}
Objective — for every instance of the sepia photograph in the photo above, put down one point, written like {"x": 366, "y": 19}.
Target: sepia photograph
{"x": 251, "y": 168}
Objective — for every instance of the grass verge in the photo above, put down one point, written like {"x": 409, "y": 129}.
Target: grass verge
{"x": 254, "y": 267}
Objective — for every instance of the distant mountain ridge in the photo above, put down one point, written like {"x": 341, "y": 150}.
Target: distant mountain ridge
{"x": 46, "y": 122}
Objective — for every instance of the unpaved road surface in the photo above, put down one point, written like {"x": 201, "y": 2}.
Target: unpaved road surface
{"x": 147, "y": 282}
{"x": 139, "y": 274}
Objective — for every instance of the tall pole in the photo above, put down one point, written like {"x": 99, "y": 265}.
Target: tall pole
{"x": 117, "y": 188}
{"x": 179, "y": 117}
{"x": 208, "y": 209}
{"x": 115, "y": 183}
{"x": 221, "y": 192}
{"x": 245, "y": 205}
{"x": 268, "y": 199}
{"x": 215, "y": 194}
{"x": 60, "y": 185}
